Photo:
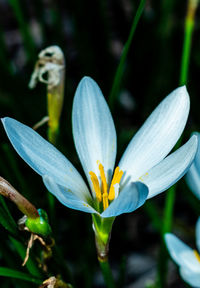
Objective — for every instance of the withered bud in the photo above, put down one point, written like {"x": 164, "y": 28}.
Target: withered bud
{"x": 8, "y": 191}
{"x": 49, "y": 68}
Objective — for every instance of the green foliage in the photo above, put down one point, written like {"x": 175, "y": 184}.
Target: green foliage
{"x": 7, "y": 272}
{"x": 6, "y": 219}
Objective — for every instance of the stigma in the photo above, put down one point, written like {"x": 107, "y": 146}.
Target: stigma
{"x": 103, "y": 192}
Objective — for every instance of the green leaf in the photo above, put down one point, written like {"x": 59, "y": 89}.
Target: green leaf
{"x": 120, "y": 69}
{"x": 30, "y": 265}
{"x": 7, "y": 272}
{"x": 6, "y": 220}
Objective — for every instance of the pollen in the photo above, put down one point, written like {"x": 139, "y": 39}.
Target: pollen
{"x": 197, "y": 255}
{"x": 116, "y": 180}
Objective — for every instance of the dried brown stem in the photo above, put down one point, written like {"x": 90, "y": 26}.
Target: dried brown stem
{"x": 8, "y": 191}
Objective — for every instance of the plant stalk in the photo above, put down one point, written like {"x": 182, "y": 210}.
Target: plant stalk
{"x": 120, "y": 69}
{"x": 107, "y": 273}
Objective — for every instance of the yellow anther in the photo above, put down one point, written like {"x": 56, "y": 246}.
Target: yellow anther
{"x": 116, "y": 180}
{"x": 197, "y": 255}
{"x": 103, "y": 179}
{"x": 96, "y": 186}
{"x": 105, "y": 201}
{"x": 101, "y": 189}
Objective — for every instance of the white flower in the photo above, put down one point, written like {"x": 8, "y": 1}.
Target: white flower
{"x": 186, "y": 258}
{"x": 143, "y": 171}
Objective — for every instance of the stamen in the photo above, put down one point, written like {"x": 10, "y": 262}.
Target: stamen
{"x": 197, "y": 255}
{"x": 103, "y": 179}
{"x": 96, "y": 186}
{"x": 116, "y": 180}
{"x": 101, "y": 189}
{"x": 105, "y": 201}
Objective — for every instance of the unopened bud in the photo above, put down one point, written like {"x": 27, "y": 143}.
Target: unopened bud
{"x": 40, "y": 225}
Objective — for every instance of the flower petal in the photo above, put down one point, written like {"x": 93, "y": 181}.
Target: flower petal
{"x": 171, "y": 169}
{"x": 190, "y": 277}
{"x": 131, "y": 198}
{"x": 93, "y": 129}
{"x": 198, "y": 234}
{"x": 193, "y": 180}
{"x": 181, "y": 253}
{"x": 157, "y": 136}
{"x": 43, "y": 157}
{"x": 66, "y": 196}
{"x": 193, "y": 174}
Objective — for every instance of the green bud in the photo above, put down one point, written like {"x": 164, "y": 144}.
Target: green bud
{"x": 40, "y": 224}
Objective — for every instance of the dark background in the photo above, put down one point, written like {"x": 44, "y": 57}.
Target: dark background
{"x": 92, "y": 35}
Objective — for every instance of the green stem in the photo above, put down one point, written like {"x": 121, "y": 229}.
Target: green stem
{"x": 170, "y": 197}
{"x": 189, "y": 27}
{"x": 120, "y": 69}
{"x": 167, "y": 225}
{"x": 168, "y": 211}
{"x": 107, "y": 273}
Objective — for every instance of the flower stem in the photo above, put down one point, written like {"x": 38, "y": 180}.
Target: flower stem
{"x": 189, "y": 27}
{"x": 120, "y": 69}
{"x": 102, "y": 229}
{"x": 107, "y": 273}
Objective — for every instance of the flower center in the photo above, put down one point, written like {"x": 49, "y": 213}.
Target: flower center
{"x": 197, "y": 255}
{"x": 101, "y": 188}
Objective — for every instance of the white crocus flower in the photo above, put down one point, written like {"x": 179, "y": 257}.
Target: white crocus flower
{"x": 186, "y": 258}
{"x": 144, "y": 170}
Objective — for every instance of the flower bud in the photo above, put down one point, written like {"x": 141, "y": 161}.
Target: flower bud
{"x": 39, "y": 225}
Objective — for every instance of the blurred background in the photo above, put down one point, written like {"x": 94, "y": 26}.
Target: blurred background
{"x": 92, "y": 35}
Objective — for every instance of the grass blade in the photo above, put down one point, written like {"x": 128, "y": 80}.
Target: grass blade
{"x": 6, "y": 220}
{"x": 120, "y": 69}
{"x": 7, "y": 272}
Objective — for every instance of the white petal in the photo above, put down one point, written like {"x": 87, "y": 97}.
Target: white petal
{"x": 198, "y": 234}
{"x": 193, "y": 180}
{"x": 181, "y": 253}
{"x": 131, "y": 198}
{"x": 171, "y": 169}
{"x": 157, "y": 136}
{"x": 190, "y": 277}
{"x": 66, "y": 196}
{"x": 193, "y": 175}
{"x": 43, "y": 157}
{"x": 93, "y": 129}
